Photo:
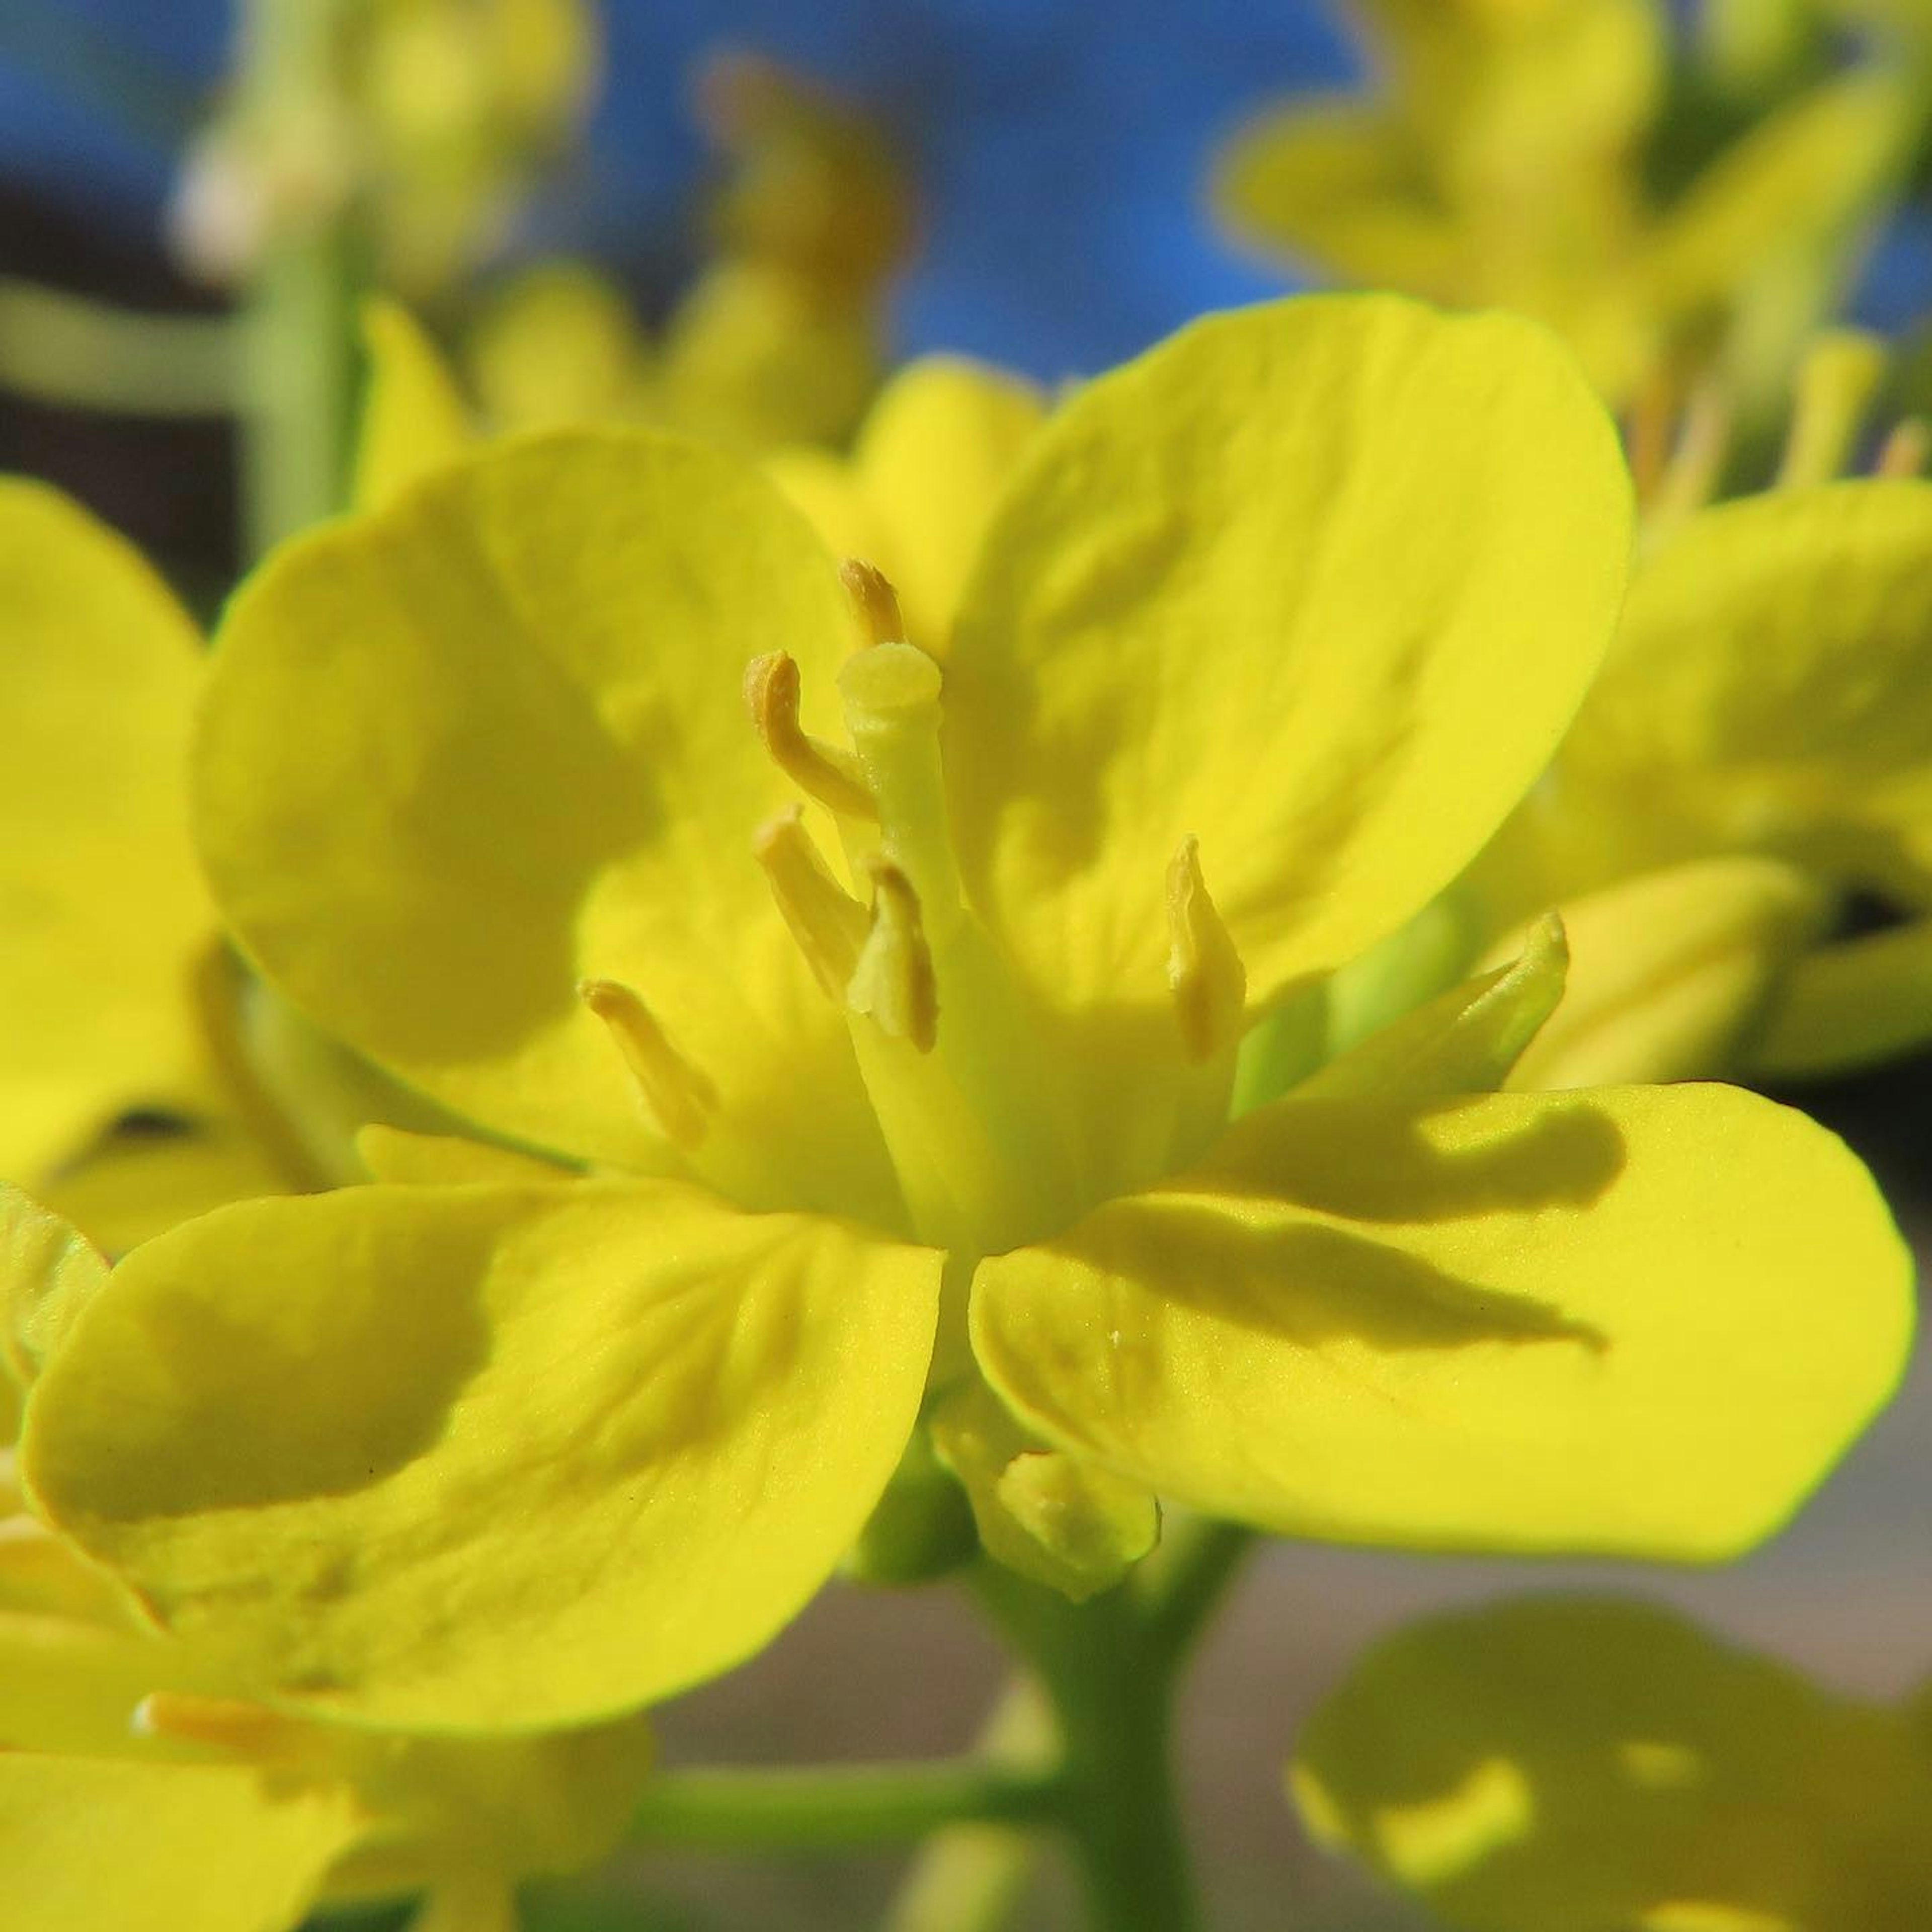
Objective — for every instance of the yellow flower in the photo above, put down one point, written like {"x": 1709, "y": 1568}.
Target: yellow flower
{"x": 121, "y": 998}
{"x": 1757, "y": 754}
{"x": 914, "y": 493}
{"x": 780, "y": 340}
{"x": 1573, "y": 1763}
{"x": 137, "y": 1788}
{"x": 1504, "y": 162}
{"x": 109, "y": 946}
{"x": 427, "y": 119}
{"x": 1268, "y": 631}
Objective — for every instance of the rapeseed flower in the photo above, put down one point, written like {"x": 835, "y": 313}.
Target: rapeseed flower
{"x": 1752, "y": 763}
{"x": 137, "y": 1788}
{"x": 1507, "y": 158}
{"x": 844, "y": 1076}
{"x": 1574, "y": 1762}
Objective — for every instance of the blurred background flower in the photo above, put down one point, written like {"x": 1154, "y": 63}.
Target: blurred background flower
{"x": 1045, "y": 208}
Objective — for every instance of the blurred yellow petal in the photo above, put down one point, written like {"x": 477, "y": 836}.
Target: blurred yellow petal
{"x": 934, "y": 455}
{"x": 414, "y": 418}
{"x": 1552, "y": 1763}
{"x": 1800, "y": 182}
{"x": 503, "y": 723}
{"x": 96, "y": 1845}
{"x": 478, "y": 1902}
{"x": 558, "y": 347}
{"x": 832, "y": 495}
{"x": 102, "y": 912}
{"x": 1333, "y": 185}
{"x": 1849, "y": 1005}
{"x": 485, "y": 1456}
{"x": 467, "y": 1814}
{"x": 1186, "y": 622}
{"x": 1518, "y": 1321}
{"x": 48, "y": 1273}
{"x": 1671, "y": 972}
{"x": 1766, "y": 689}
{"x": 136, "y": 1182}
{"x": 419, "y": 1160}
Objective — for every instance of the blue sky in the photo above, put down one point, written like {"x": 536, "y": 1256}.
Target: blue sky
{"x": 1061, "y": 144}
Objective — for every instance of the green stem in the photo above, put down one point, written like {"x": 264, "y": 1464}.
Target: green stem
{"x": 1111, "y": 1684}
{"x": 833, "y": 1808}
{"x": 297, "y": 320}
{"x": 969, "y": 1878}
{"x": 1182, "y": 1585}
{"x": 75, "y": 353}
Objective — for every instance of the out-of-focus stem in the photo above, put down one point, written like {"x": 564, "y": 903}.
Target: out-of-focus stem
{"x": 970, "y": 1878}
{"x": 297, "y": 348}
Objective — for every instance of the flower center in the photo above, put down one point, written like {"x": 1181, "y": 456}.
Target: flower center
{"x": 970, "y": 1074}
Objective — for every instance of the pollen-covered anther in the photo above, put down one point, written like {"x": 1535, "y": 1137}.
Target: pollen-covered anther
{"x": 828, "y": 923}
{"x": 1836, "y": 382}
{"x": 893, "y": 980}
{"x": 1905, "y": 449}
{"x": 821, "y": 771}
{"x": 875, "y": 601}
{"x": 1204, "y": 972}
{"x": 223, "y": 1723}
{"x": 676, "y": 1094}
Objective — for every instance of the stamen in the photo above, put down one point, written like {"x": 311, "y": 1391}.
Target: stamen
{"x": 675, "y": 1094}
{"x": 1836, "y": 382}
{"x": 1905, "y": 450}
{"x": 893, "y": 981}
{"x": 828, "y": 923}
{"x": 876, "y": 602}
{"x": 228, "y": 1723}
{"x": 821, "y": 771}
{"x": 1690, "y": 478}
{"x": 1204, "y": 972}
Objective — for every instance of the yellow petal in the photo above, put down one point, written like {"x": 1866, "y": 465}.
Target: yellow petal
{"x": 558, "y": 347}
{"x": 90, "y": 1845}
{"x": 486, "y": 1456}
{"x": 482, "y": 1807}
{"x": 1464, "y": 1041}
{"x": 1671, "y": 972}
{"x": 420, "y": 1160}
{"x": 1264, "y": 587}
{"x": 48, "y": 1273}
{"x": 830, "y": 492}
{"x": 102, "y": 913}
{"x": 1766, "y": 687}
{"x": 135, "y": 1183}
{"x": 1643, "y": 1320}
{"x": 933, "y": 455}
{"x": 1335, "y": 185}
{"x": 1802, "y": 180}
{"x": 1849, "y": 1005}
{"x": 414, "y": 418}
{"x": 1548, "y": 1762}
{"x": 503, "y": 723}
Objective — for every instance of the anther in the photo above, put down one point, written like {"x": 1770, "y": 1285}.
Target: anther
{"x": 226, "y": 1723}
{"x": 893, "y": 980}
{"x": 675, "y": 1094}
{"x": 821, "y": 771}
{"x": 1204, "y": 972}
{"x": 1836, "y": 383}
{"x": 875, "y": 599}
{"x": 1905, "y": 449}
{"x": 828, "y": 923}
